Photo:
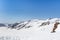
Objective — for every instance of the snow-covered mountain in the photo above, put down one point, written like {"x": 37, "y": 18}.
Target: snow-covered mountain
{"x": 33, "y": 23}
{"x": 31, "y": 30}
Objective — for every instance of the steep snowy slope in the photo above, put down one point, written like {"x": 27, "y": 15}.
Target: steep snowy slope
{"x": 31, "y": 30}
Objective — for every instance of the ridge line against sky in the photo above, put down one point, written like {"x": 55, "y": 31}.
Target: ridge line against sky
{"x": 18, "y": 10}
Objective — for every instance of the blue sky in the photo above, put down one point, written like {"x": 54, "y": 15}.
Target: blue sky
{"x": 18, "y": 10}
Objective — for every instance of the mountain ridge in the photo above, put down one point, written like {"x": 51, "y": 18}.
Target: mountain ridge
{"x": 31, "y": 23}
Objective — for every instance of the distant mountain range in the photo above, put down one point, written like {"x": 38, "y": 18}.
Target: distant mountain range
{"x": 2, "y": 25}
{"x": 30, "y": 23}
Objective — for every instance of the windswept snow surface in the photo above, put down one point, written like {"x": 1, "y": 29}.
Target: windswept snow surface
{"x": 36, "y": 32}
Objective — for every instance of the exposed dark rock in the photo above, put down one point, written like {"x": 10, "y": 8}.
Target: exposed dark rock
{"x": 45, "y": 23}
{"x": 28, "y": 26}
{"x": 13, "y": 25}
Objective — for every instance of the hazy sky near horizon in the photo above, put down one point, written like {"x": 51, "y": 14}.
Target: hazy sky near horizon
{"x": 18, "y": 10}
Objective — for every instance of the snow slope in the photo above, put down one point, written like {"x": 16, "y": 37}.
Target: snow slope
{"x": 34, "y": 32}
